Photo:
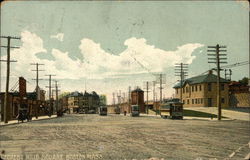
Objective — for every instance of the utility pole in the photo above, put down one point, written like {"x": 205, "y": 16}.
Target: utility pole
{"x": 161, "y": 88}
{"x": 129, "y": 98}
{"x": 154, "y": 82}
{"x": 37, "y": 85}
{"x": 217, "y": 59}
{"x": 50, "y": 102}
{"x": 147, "y": 90}
{"x": 57, "y": 106}
{"x": 123, "y": 99}
{"x": 161, "y": 80}
{"x": 6, "y": 95}
{"x": 114, "y": 99}
{"x": 228, "y": 74}
{"x": 129, "y": 95}
{"x": 119, "y": 97}
{"x": 181, "y": 70}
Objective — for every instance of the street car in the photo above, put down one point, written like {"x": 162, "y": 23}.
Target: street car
{"x": 103, "y": 110}
{"x": 135, "y": 110}
{"x": 172, "y": 109}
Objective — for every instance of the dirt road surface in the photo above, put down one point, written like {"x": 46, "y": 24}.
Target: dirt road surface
{"x": 78, "y": 137}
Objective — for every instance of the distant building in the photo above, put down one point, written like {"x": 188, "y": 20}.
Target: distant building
{"x": 86, "y": 101}
{"x": 75, "y": 100}
{"x": 137, "y": 98}
{"x": 64, "y": 102}
{"x": 239, "y": 95}
{"x": 201, "y": 91}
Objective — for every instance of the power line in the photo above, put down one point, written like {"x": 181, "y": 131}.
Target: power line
{"x": 229, "y": 66}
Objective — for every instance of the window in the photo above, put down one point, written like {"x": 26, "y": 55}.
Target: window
{"x": 195, "y": 101}
{"x": 209, "y": 102}
{"x": 222, "y": 100}
{"x": 222, "y": 87}
{"x": 196, "y": 88}
{"x": 192, "y": 101}
{"x": 188, "y": 101}
{"x": 198, "y": 100}
{"x": 209, "y": 87}
{"x": 201, "y": 100}
{"x": 183, "y": 89}
{"x": 186, "y": 89}
{"x": 200, "y": 87}
{"x": 183, "y": 101}
{"x": 192, "y": 88}
{"x": 177, "y": 91}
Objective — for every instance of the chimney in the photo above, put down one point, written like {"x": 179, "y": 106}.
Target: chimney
{"x": 22, "y": 87}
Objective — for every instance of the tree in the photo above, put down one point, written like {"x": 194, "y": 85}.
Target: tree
{"x": 103, "y": 99}
{"x": 244, "y": 80}
{"x": 64, "y": 94}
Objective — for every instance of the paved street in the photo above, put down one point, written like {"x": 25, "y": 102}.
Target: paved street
{"x": 119, "y": 137}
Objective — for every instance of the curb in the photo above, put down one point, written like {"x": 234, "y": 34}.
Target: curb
{"x": 4, "y": 124}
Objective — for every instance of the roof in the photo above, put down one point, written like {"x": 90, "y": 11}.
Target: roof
{"x": 75, "y": 94}
{"x": 208, "y": 78}
{"x": 137, "y": 90}
{"x": 86, "y": 94}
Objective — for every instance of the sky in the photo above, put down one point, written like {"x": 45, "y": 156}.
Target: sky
{"x": 108, "y": 46}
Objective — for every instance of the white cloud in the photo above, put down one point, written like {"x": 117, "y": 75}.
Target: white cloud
{"x": 96, "y": 62}
{"x": 131, "y": 60}
{"x": 58, "y": 36}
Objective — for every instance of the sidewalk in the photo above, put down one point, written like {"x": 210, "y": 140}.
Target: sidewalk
{"x": 188, "y": 117}
{"x": 33, "y": 119}
{"x": 225, "y": 112}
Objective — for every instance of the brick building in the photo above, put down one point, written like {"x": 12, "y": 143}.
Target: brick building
{"x": 75, "y": 99}
{"x": 23, "y": 100}
{"x": 86, "y": 101}
{"x": 201, "y": 91}
{"x": 137, "y": 98}
{"x": 239, "y": 95}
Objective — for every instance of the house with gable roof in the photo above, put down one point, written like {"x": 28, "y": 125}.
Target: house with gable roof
{"x": 201, "y": 91}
